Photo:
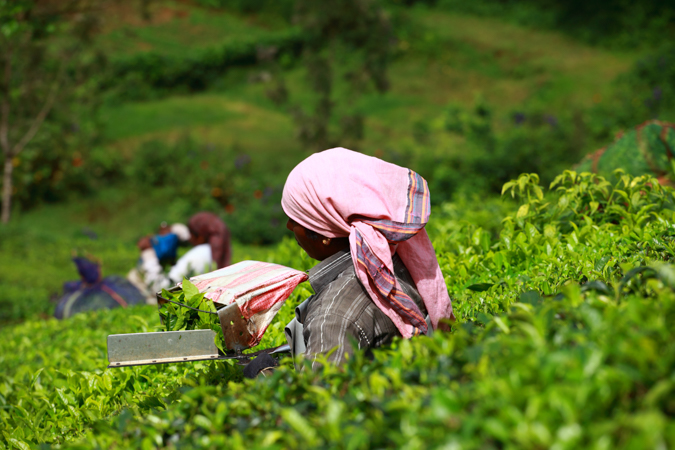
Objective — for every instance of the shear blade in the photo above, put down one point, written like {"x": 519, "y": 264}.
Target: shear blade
{"x": 162, "y": 347}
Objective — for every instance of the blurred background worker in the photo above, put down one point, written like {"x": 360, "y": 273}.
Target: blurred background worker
{"x": 210, "y": 239}
{"x": 92, "y": 291}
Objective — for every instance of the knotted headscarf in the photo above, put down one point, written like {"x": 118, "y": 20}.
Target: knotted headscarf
{"x": 213, "y": 229}
{"x": 383, "y": 208}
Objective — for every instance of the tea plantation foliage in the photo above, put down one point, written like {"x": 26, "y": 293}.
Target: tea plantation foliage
{"x": 564, "y": 340}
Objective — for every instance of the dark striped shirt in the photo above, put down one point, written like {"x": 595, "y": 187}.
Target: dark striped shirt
{"x": 342, "y": 310}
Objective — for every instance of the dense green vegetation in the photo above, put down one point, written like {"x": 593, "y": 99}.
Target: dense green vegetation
{"x": 442, "y": 59}
{"x": 564, "y": 294}
{"x": 232, "y": 147}
{"x": 614, "y": 23}
{"x": 563, "y": 299}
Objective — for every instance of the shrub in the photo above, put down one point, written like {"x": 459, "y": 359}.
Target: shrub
{"x": 614, "y": 23}
{"x": 256, "y": 216}
{"x": 644, "y": 93}
{"x": 52, "y": 385}
{"x": 150, "y": 74}
{"x": 58, "y": 161}
{"x": 282, "y": 8}
{"x": 525, "y": 368}
{"x": 550, "y": 375}
{"x": 563, "y": 340}
{"x": 491, "y": 152}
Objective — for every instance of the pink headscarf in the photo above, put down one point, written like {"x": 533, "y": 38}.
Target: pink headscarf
{"x": 383, "y": 208}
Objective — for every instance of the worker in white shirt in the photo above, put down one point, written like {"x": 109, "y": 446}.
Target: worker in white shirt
{"x": 211, "y": 250}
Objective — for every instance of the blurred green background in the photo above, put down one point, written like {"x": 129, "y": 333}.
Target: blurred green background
{"x": 153, "y": 110}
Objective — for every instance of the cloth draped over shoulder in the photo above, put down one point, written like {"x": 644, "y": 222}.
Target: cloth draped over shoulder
{"x": 383, "y": 209}
{"x": 258, "y": 288}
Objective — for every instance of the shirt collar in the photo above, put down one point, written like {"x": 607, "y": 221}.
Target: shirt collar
{"x": 329, "y": 269}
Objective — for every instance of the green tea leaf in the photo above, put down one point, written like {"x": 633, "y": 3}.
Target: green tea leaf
{"x": 523, "y": 210}
{"x": 480, "y": 287}
{"x": 602, "y": 262}
{"x": 19, "y": 444}
{"x": 189, "y": 289}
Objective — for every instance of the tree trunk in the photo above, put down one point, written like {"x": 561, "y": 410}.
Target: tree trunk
{"x": 7, "y": 189}
{"x": 4, "y": 138}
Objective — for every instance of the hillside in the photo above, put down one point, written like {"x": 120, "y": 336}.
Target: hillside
{"x": 449, "y": 58}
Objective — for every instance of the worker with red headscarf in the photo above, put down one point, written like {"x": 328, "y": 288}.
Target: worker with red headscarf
{"x": 210, "y": 239}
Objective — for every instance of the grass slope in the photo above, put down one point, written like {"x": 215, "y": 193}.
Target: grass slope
{"x": 450, "y": 58}
{"x": 174, "y": 28}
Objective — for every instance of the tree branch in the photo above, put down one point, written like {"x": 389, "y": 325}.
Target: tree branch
{"x": 5, "y": 106}
{"x": 37, "y": 122}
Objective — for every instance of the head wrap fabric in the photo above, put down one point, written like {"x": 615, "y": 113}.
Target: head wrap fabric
{"x": 181, "y": 231}
{"x": 213, "y": 229}
{"x": 90, "y": 271}
{"x": 383, "y": 208}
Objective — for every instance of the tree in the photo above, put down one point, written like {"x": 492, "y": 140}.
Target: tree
{"x": 41, "y": 42}
{"x": 349, "y": 43}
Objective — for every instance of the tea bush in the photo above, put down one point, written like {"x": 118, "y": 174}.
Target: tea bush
{"x": 54, "y": 383}
{"x": 282, "y": 8}
{"x": 53, "y": 386}
{"x": 613, "y": 23}
{"x": 150, "y": 74}
{"x": 495, "y": 149}
{"x": 563, "y": 340}
{"x": 584, "y": 371}
{"x": 644, "y": 93}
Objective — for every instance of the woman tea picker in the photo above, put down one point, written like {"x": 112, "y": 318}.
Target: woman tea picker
{"x": 211, "y": 250}
{"x": 378, "y": 278}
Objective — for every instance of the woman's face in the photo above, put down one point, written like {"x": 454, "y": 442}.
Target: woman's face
{"x": 310, "y": 245}
{"x": 317, "y": 246}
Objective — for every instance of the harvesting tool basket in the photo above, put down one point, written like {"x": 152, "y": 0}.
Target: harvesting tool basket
{"x": 246, "y": 295}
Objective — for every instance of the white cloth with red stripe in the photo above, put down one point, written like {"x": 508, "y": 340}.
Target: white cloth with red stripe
{"x": 259, "y": 288}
